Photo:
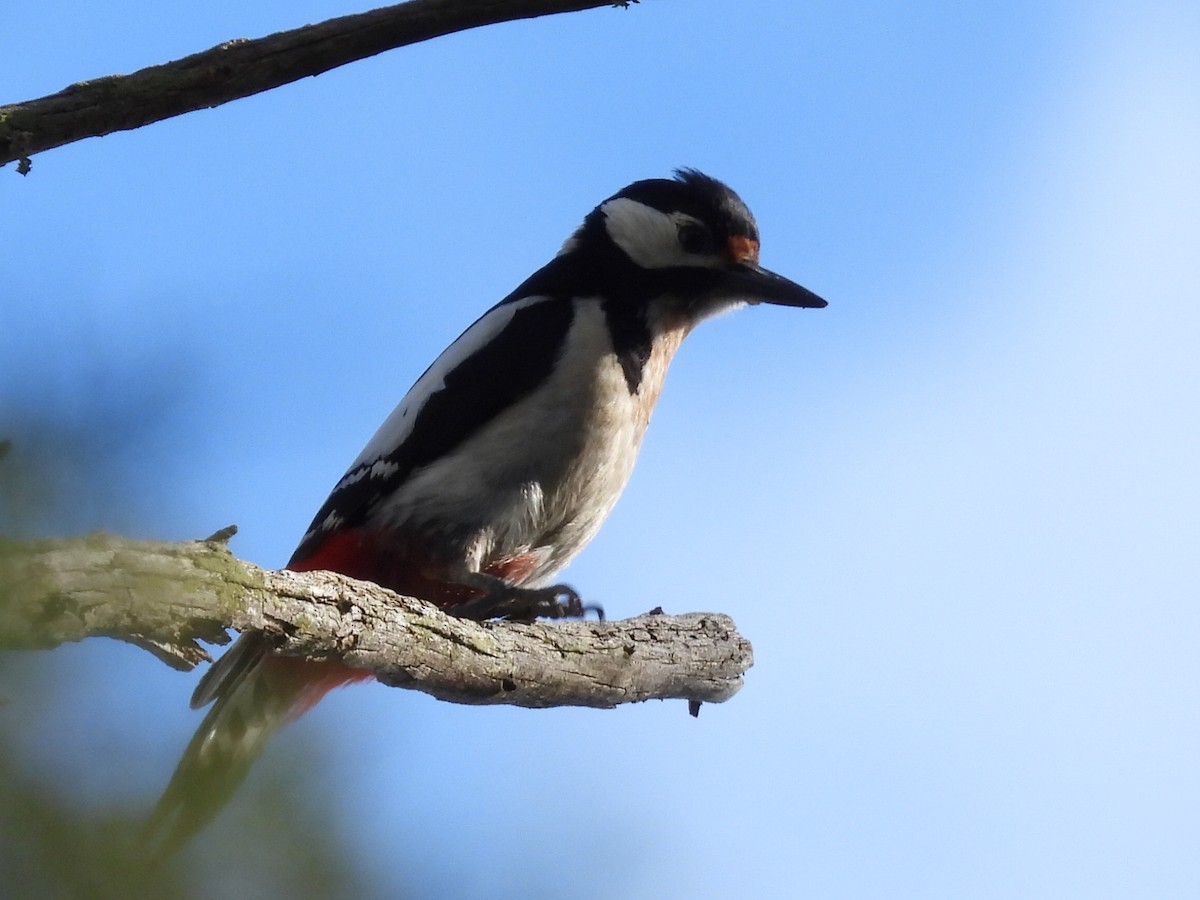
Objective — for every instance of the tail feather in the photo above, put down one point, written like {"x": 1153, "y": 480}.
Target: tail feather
{"x": 223, "y": 676}
{"x": 254, "y": 694}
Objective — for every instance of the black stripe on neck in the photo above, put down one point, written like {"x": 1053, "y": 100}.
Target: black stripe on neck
{"x": 631, "y": 338}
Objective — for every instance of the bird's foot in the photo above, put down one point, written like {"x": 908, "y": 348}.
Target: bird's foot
{"x": 502, "y": 601}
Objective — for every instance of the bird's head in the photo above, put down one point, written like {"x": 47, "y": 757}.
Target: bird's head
{"x": 690, "y": 238}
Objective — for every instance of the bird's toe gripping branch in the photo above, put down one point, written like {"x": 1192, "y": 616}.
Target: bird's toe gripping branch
{"x": 558, "y": 601}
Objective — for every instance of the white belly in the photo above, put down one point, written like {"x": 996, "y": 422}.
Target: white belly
{"x": 542, "y": 477}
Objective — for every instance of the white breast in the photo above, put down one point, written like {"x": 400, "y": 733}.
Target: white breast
{"x": 542, "y": 476}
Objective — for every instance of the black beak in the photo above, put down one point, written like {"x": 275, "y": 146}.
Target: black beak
{"x": 754, "y": 284}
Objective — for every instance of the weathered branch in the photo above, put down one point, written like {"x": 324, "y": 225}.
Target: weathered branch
{"x": 167, "y": 596}
{"x": 239, "y": 68}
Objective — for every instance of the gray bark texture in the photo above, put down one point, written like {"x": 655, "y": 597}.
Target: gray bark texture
{"x": 166, "y": 597}
{"x": 240, "y": 68}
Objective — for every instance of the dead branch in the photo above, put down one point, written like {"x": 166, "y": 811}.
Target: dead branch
{"x": 240, "y": 68}
{"x": 168, "y": 596}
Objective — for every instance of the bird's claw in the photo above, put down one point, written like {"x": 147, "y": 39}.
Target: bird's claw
{"x": 559, "y": 601}
{"x": 562, "y": 601}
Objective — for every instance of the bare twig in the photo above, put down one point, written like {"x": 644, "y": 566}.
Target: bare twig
{"x": 240, "y": 68}
{"x": 167, "y": 596}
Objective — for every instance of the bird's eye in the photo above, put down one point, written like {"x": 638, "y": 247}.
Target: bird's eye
{"x": 695, "y": 238}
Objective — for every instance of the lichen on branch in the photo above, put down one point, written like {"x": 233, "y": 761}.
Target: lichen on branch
{"x": 170, "y": 597}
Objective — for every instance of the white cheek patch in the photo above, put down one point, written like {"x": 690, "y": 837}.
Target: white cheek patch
{"x": 649, "y": 237}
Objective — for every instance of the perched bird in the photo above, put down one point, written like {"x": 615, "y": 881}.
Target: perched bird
{"x": 504, "y": 458}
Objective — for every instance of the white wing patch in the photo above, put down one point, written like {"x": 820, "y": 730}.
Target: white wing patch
{"x": 398, "y": 425}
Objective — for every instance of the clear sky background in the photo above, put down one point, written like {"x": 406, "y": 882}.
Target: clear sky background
{"x": 957, "y": 512}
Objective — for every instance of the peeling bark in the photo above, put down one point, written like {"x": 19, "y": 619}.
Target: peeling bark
{"x": 167, "y": 597}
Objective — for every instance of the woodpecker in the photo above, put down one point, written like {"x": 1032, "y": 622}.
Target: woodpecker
{"x": 506, "y": 455}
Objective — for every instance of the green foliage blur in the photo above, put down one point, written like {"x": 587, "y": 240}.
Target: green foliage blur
{"x": 71, "y": 467}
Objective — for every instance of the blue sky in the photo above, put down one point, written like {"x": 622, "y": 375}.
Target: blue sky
{"x": 956, "y": 512}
